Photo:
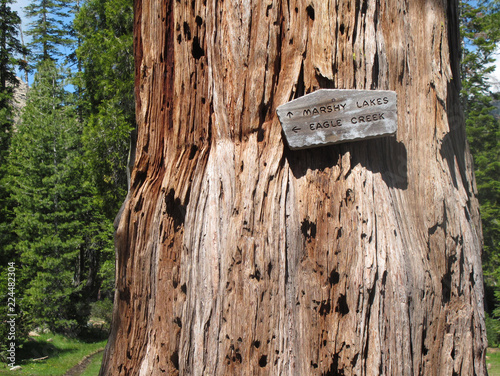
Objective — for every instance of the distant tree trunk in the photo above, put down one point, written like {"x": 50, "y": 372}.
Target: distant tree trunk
{"x": 239, "y": 256}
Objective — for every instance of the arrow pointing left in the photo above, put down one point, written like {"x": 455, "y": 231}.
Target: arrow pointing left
{"x": 296, "y": 129}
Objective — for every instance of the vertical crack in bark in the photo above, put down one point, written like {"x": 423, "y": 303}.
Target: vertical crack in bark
{"x": 375, "y": 71}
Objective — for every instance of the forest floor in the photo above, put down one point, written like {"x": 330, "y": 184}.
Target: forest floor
{"x": 48, "y": 354}
{"x": 493, "y": 361}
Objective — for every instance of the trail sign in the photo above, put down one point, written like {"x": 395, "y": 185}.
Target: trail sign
{"x": 331, "y": 116}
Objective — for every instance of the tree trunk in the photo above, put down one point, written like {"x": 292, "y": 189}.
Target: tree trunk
{"x": 239, "y": 256}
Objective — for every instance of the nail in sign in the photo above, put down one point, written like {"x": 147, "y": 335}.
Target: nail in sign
{"x": 331, "y": 116}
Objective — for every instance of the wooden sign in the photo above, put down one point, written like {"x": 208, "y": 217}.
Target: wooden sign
{"x": 331, "y": 116}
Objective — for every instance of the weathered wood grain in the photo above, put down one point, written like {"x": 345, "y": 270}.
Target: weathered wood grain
{"x": 238, "y": 256}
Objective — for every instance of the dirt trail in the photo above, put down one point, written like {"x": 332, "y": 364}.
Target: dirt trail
{"x": 80, "y": 367}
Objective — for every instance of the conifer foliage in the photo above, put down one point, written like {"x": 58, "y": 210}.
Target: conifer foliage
{"x": 107, "y": 101}
{"x": 481, "y": 36}
{"x": 53, "y": 202}
{"x": 66, "y": 163}
{"x": 50, "y": 28}
{"x": 11, "y": 52}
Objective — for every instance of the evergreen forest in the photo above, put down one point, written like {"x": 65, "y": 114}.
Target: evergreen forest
{"x": 64, "y": 156}
{"x": 63, "y": 159}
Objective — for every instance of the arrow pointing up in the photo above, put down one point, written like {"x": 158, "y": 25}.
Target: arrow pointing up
{"x": 290, "y": 114}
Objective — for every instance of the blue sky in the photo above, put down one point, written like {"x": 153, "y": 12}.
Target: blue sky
{"x": 17, "y": 6}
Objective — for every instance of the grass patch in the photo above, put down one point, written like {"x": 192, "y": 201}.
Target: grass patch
{"x": 62, "y": 353}
{"x": 94, "y": 366}
{"x": 493, "y": 361}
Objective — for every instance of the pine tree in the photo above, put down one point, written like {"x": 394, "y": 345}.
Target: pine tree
{"x": 53, "y": 215}
{"x": 11, "y": 51}
{"x": 50, "y": 30}
{"x": 106, "y": 84}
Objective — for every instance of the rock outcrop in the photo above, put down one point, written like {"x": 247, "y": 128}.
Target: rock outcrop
{"x": 19, "y": 100}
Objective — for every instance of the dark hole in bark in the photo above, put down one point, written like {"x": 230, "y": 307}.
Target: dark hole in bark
{"x": 193, "y": 151}
{"x": 325, "y": 308}
{"x": 310, "y": 12}
{"x": 174, "y": 358}
{"x": 260, "y": 135}
{"x": 174, "y": 208}
{"x": 124, "y": 294}
{"x": 354, "y": 360}
{"x": 364, "y": 7}
{"x": 308, "y": 229}
{"x": 178, "y": 322}
{"x": 256, "y": 275}
{"x": 187, "y": 31}
{"x": 334, "y": 278}
{"x": 197, "y": 50}
{"x": 334, "y": 371}
{"x": 446, "y": 282}
{"x": 263, "y": 361}
{"x": 342, "y": 306}
{"x": 425, "y": 350}
{"x": 375, "y": 72}
{"x": 269, "y": 7}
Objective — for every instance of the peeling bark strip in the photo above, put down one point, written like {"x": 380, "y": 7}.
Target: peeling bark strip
{"x": 236, "y": 256}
